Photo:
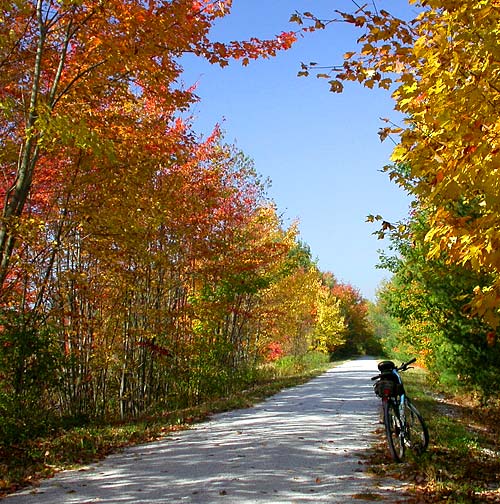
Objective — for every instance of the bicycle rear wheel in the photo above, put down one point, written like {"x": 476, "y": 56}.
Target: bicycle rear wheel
{"x": 417, "y": 434}
{"x": 393, "y": 431}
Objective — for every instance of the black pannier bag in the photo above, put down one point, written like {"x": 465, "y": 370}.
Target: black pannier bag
{"x": 385, "y": 388}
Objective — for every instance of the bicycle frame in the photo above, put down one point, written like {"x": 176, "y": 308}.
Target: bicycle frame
{"x": 402, "y": 397}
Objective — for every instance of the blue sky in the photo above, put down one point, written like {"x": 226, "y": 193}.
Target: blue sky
{"x": 320, "y": 150}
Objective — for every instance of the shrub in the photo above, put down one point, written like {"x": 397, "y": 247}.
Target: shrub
{"x": 29, "y": 364}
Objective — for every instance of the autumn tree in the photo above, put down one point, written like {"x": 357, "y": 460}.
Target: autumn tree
{"x": 330, "y": 328}
{"x": 72, "y": 70}
{"x": 442, "y": 66}
{"x": 354, "y": 308}
{"x": 288, "y": 307}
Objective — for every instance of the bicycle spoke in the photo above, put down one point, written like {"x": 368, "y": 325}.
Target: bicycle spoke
{"x": 416, "y": 433}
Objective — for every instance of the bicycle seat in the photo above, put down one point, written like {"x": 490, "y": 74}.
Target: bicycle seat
{"x": 386, "y": 366}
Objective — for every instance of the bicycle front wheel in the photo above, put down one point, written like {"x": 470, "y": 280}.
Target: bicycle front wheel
{"x": 417, "y": 434}
{"x": 394, "y": 431}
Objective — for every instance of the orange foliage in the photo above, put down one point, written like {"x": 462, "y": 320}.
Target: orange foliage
{"x": 102, "y": 78}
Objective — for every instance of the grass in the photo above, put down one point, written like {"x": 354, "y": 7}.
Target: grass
{"x": 27, "y": 463}
{"x": 462, "y": 463}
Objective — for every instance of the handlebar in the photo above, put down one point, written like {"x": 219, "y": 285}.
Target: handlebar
{"x": 404, "y": 366}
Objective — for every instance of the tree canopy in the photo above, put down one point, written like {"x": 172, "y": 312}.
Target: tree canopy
{"x": 79, "y": 78}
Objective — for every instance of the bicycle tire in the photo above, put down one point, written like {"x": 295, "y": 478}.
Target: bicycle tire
{"x": 417, "y": 433}
{"x": 394, "y": 431}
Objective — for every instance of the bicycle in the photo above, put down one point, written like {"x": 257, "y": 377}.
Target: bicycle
{"x": 404, "y": 425}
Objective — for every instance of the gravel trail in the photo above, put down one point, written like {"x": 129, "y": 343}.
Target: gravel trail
{"x": 305, "y": 444}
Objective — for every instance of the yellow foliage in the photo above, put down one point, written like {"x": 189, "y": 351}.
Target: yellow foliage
{"x": 329, "y": 332}
{"x": 289, "y": 311}
{"x": 445, "y": 66}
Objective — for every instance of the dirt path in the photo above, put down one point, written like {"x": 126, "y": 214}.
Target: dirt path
{"x": 302, "y": 445}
